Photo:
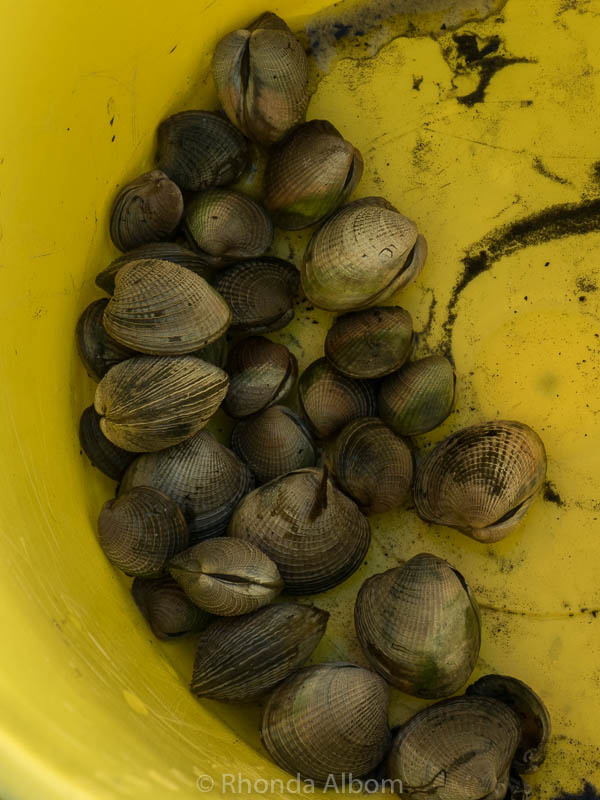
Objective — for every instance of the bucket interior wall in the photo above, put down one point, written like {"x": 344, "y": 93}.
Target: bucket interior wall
{"x": 475, "y": 118}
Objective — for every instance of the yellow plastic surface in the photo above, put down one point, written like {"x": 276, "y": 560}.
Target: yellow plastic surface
{"x": 91, "y": 706}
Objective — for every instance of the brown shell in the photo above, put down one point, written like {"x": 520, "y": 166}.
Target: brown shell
{"x": 226, "y": 576}
{"x": 98, "y": 351}
{"x": 310, "y": 172}
{"x": 148, "y": 403}
{"x": 418, "y": 397}
{"x": 205, "y": 478}
{"x": 370, "y": 343}
{"x": 531, "y": 711}
{"x": 361, "y": 255}
{"x": 104, "y": 455}
{"x": 260, "y": 293}
{"x": 328, "y": 721}
{"x": 314, "y": 533}
{"x": 161, "y": 308}
{"x": 329, "y": 400}
{"x": 141, "y": 531}
{"x": 261, "y": 373}
{"x": 482, "y": 479}
{"x": 372, "y": 465}
{"x": 419, "y": 626}
{"x": 161, "y": 251}
{"x": 166, "y": 608}
{"x": 200, "y": 149}
{"x": 261, "y": 77}
{"x": 459, "y": 749}
{"x": 273, "y": 443}
{"x": 227, "y": 225}
{"x": 146, "y": 210}
{"x": 239, "y": 659}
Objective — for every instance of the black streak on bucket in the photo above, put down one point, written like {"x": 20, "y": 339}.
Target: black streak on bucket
{"x": 588, "y": 792}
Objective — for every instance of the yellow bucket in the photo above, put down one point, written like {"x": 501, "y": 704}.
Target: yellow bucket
{"x": 478, "y": 118}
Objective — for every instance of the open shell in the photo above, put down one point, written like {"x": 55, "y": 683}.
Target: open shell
{"x": 200, "y": 149}
{"x": 482, "y": 479}
{"x": 98, "y": 351}
{"x": 106, "y": 456}
{"x": 419, "y": 626}
{"x": 314, "y": 533}
{"x": 361, "y": 255}
{"x": 239, "y": 659}
{"x": 205, "y": 478}
{"x": 161, "y": 308}
{"x": 146, "y": 210}
{"x": 166, "y": 608}
{"x": 141, "y": 531}
{"x": 148, "y": 403}
{"x": 327, "y": 721}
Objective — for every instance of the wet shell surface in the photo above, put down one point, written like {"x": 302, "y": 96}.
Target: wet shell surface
{"x": 531, "y": 711}
{"x": 419, "y": 626}
{"x": 418, "y": 397}
{"x": 239, "y": 659}
{"x": 161, "y": 251}
{"x": 166, "y": 608}
{"x": 482, "y": 479}
{"x": 200, "y": 149}
{"x": 227, "y": 225}
{"x": 314, "y": 533}
{"x": 206, "y": 480}
{"x": 148, "y": 403}
{"x": 329, "y": 400}
{"x": 309, "y": 174}
{"x": 141, "y": 531}
{"x": 460, "y": 749}
{"x": 361, "y": 255}
{"x": 104, "y": 455}
{"x": 327, "y": 721}
{"x": 161, "y": 308}
{"x": 261, "y": 77}
{"x": 260, "y": 293}
{"x": 261, "y": 374}
{"x": 372, "y": 465}
{"x": 98, "y": 351}
{"x": 273, "y": 443}
{"x": 370, "y": 343}
{"x": 226, "y": 576}
{"x": 146, "y": 210}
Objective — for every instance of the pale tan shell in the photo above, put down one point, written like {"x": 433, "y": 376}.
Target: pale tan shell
{"x": 146, "y": 210}
{"x": 482, "y": 479}
{"x": 310, "y": 172}
{"x": 329, "y": 400}
{"x": 459, "y": 749}
{"x": 205, "y": 478}
{"x": 227, "y": 225}
{"x": 166, "y": 608}
{"x": 314, "y": 533}
{"x": 163, "y": 251}
{"x": 261, "y": 77}
{"x": 161, "y": 308}
{"x": 141, "y": 530}
{"x": 261, "y": 373}
{"x": 239, "y": 659}
{"x": 260, "y": 293}
{"x": 98, "y": 351}
{"x": 418, "y": 397}
{"x": 533, "y": 716}
{"x": 226, "y": 576}
{"x": 148, "y": 403}
{"x": 361, "y": 255}
{"x": 372, "y": 465}
{"x": 370, "y": 343}
{"x": 328, "y": 721}
{"x": 104, "y": 455}
{"x": 419, "y": 626}
{"x": 273, "y": 443}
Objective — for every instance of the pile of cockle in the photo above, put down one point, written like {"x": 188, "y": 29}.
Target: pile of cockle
{"x": 210, "y": 552}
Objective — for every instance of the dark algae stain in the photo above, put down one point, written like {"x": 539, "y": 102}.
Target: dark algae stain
{"x": 588, "y": 792}
{"x": 540, "y": 167}
{"x": 551, "y": 495}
